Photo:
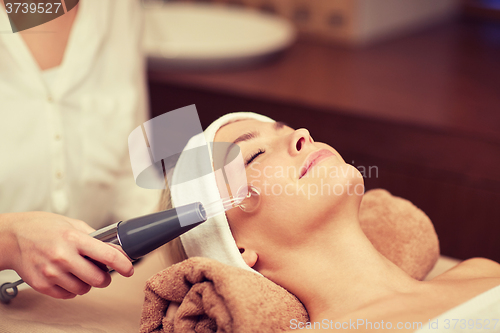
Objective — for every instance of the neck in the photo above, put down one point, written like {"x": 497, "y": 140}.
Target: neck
{"x": 347, "y": 273}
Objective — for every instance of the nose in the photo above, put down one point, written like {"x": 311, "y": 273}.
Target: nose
{"x": 299, "y": 139}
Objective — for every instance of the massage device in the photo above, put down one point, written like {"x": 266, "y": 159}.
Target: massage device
{"x": 141, "y": 235}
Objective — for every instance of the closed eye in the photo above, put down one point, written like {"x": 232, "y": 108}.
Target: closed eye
{"x": 254, "y": 156}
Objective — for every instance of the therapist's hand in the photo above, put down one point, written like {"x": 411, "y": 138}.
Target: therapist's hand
{"x": 47, "y": 250}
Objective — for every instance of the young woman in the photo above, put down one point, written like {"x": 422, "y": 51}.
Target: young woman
{"x": 312, "y": 244}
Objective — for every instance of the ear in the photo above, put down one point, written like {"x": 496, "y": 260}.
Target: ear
{"x": 250, "y": 256}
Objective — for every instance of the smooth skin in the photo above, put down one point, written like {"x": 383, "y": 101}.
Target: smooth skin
{"x": 315, "y": 248}
{"x": 48, "y": 250}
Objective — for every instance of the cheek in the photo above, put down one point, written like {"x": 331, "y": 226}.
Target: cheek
{"x": 276, "y": 221}
{"x": 284, "y": 200}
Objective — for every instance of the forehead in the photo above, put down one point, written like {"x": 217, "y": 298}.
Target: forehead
{"x": 231, "y": 131}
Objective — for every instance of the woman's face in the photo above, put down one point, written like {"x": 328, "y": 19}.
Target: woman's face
{"x": 303, "y": 184}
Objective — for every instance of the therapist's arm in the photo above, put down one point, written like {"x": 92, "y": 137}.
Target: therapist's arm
{"x": 47, "y": 250}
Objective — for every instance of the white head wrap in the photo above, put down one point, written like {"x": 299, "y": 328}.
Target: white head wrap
{"x": 213, "y": 238}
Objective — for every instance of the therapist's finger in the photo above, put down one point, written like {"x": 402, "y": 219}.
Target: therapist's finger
{"x": 52, "y": 290}
{"x": 119, "y": 248}
{"x": 59, "y": 276}
{"x": 58, "y": 292}
{"x": 72, "y": 284}
{"x": 105, "y": 254}
{"x": 88, "y": 272}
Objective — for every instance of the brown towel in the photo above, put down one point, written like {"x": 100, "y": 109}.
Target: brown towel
{"x": 212, "y": 302}
{"x": 400, "y": 231}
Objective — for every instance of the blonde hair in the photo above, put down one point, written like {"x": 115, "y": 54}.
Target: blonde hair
{"x": 173, "y": 252}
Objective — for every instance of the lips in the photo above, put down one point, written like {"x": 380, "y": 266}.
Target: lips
{"x": 313, "y": 159}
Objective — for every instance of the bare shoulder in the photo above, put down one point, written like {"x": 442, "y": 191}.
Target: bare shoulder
{"x": 480, "y": 265}
{"x": 473, "y": 268}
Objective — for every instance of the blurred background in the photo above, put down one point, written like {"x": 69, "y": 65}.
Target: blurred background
{"x": 408, "y": 89}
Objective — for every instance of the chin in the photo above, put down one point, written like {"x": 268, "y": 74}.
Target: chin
{"x": 339, "y": 193}
{"x": 341, "y": 180}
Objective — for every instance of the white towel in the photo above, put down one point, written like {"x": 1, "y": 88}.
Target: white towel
{"x": 213, "y": 238}
{"x": 482, "y": 309}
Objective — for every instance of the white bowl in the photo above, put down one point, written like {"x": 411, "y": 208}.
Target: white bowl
{"x": 199, "y": 35}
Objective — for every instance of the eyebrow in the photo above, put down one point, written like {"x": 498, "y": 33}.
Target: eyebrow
{"x": 254, "y": 134}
